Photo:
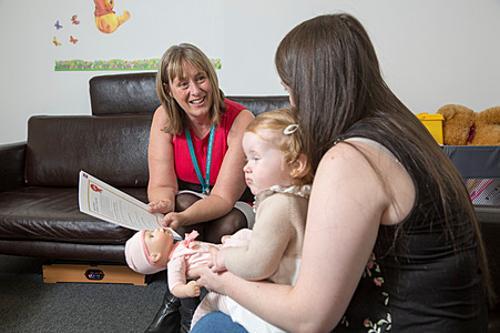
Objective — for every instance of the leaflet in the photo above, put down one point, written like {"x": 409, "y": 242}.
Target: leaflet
{"x": 103, "y": 201}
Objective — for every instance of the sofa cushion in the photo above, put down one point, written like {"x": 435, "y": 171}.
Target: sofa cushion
{"x": 123, "y": 93}
{"x": 52, "y": 214}
{"x": 100, "y": 253}
{"x": 259, "y": 104}
{"x": 111, "y": 148}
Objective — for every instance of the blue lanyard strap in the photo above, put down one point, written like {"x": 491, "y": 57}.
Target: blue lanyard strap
{"x": 205, "y": 183}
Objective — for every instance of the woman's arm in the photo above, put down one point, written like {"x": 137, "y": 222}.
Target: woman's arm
{"x": 345, "y": 209}
{"x": 230, "y": 182}
{"x": 162, "y": 185}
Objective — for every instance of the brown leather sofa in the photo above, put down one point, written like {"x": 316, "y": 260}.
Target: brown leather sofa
{"x": 39, "y": 213}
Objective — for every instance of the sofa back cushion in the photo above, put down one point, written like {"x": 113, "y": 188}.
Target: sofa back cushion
{"x": 136, "y": 93}
{"x": 259, "y": 104}
{"x": 112, "y": 148}
{"x": 123, "y": 93}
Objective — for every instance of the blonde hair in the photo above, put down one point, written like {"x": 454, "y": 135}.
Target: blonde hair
{"x": 171, "y": 67}
{"x": 291, "y": 143}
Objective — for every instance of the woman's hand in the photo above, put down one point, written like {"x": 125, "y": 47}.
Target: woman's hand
{"x": 217, "y": 260}
{"x": 174, "y": 220}
{"x": 161, "y": 206}
{"x": 214, "y": 281}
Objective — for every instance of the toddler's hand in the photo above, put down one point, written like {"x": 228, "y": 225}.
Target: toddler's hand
{"x": 193, "y": 289}
{"x": 160, "y": 206}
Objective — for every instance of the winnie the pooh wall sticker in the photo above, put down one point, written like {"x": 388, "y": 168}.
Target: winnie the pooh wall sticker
{"x": 106, "y": 19}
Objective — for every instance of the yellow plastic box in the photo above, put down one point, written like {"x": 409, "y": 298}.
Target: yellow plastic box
{"x": 434, "y": 124}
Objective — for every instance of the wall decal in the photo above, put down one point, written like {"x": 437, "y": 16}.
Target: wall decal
{"x": 74, "y": 20}
{"x": 106, "y": 19}
{"x": 58, "y": 25}
{"x": 56, "y": 41}
{"x": 115, "y": 65}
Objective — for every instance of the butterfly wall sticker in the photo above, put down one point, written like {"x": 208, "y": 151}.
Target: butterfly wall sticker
{"x": 58, "y": 25}
{"x": 75, "y": 20}
{"x": 73, "y": 39}
{"x": 56, "y": 42}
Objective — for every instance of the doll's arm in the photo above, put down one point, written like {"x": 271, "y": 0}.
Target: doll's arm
{"x": 177, "y": 282}
{"x": 176, "y": 274}
{"x": 190, "y": 289}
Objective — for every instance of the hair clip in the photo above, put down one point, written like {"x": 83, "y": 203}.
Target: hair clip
{"x": 290, "y": 129}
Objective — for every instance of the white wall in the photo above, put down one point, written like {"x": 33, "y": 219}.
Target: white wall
{"x": 432, "y": 52}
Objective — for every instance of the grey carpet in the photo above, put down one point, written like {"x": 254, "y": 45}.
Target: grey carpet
{"x": 29, "y": 305}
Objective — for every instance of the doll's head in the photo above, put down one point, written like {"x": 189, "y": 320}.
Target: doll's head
{"x": 147, "y": 252}
{"x": 273, "y": 146}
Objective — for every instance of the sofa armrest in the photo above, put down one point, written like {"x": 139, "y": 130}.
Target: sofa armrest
{"x": 12, "y": 166}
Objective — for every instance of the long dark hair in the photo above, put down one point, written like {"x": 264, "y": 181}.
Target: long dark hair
{"x": 334, "y": 79}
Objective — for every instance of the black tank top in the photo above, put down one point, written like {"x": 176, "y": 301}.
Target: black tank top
{"x": 418, "y": 279}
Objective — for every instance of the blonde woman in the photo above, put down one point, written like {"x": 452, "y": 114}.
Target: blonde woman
{"x": 195, "y": 145}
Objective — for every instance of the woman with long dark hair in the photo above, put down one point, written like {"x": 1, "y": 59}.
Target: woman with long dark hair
{"x": 392, "y": 242}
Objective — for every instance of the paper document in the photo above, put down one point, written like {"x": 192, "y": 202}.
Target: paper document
{"x": 103, "y": 201}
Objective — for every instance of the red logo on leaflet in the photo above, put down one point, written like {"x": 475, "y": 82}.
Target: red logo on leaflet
{"x": 95, "y": 188}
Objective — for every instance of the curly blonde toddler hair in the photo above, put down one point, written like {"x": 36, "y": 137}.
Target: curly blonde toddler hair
{"x": 286, "y": 136}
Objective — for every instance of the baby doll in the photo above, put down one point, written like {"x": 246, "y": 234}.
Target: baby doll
{"x": 278, "y": 173}
{"x": 151, "y": 251}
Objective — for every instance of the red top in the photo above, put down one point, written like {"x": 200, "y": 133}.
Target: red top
{"x": 184, "y": 168}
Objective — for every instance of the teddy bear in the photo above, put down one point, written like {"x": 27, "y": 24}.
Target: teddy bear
{"x": 106, "y": 19}
{"x": 463, "y": 126}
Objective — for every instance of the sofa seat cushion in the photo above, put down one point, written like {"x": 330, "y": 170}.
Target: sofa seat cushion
{"x": 52, "y": 214}
{"x": 63, "y": 251}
